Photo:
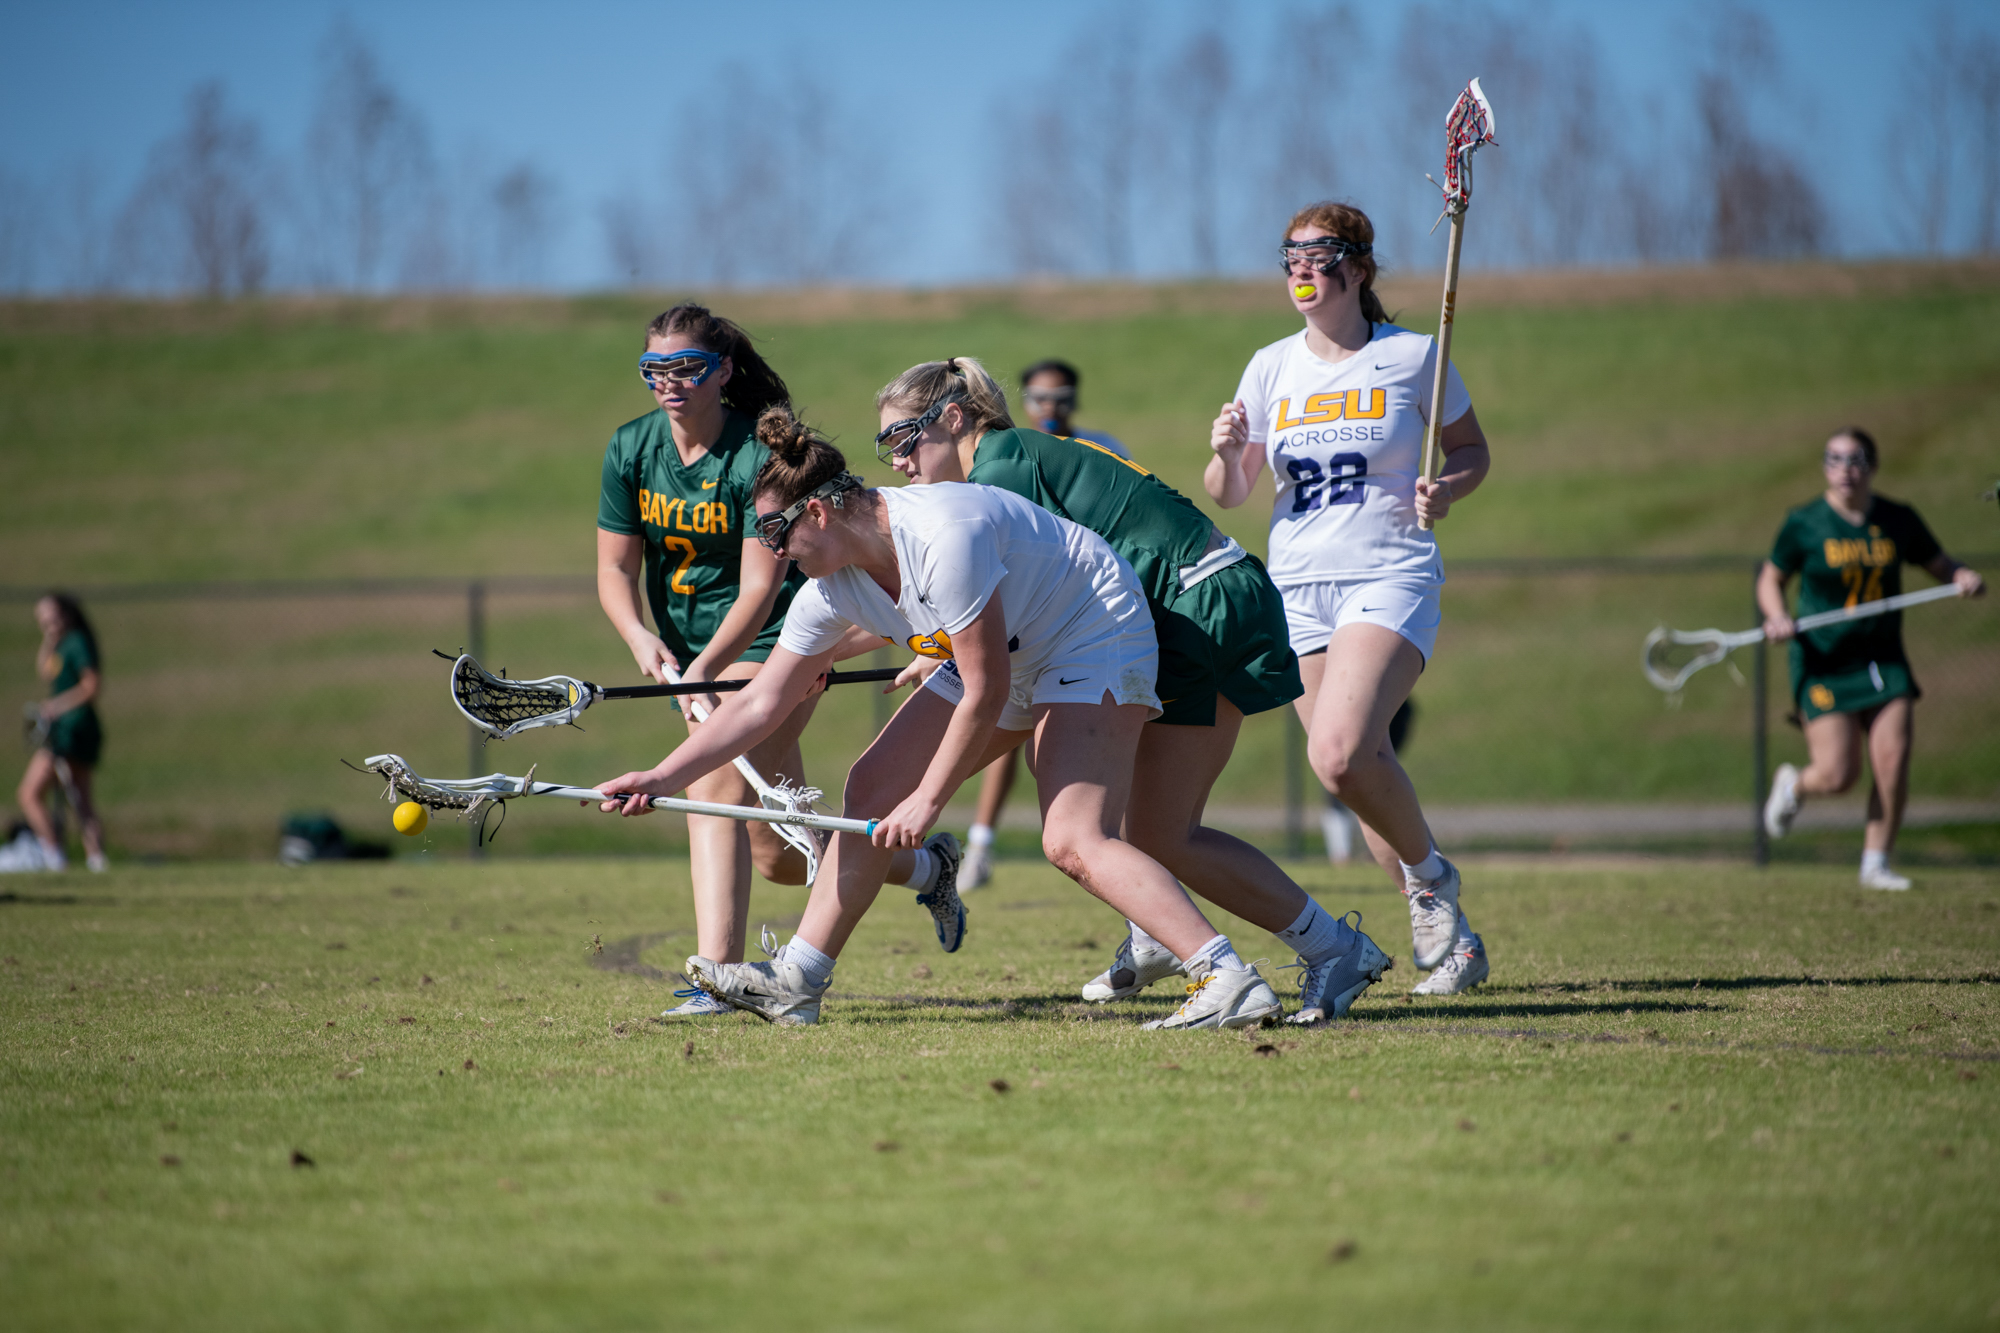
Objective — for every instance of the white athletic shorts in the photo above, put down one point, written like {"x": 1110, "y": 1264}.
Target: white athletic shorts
{"x": 1123, "y": 657}
{"x": 1409, "y": 604}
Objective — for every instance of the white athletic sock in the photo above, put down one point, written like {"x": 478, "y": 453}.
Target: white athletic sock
{"x": 1141, "y": 941}
{"x": 980, "y": 835}
{"x": 1426, "y": 870}
{"x": 1217, "y": 953}
{"x": 1463, "y": 937}
{"x": 1318, "y": 935}
{"x": 816, "y": 965}
{"x": 926, "y": 872}
{"x": 1872, "y": 860}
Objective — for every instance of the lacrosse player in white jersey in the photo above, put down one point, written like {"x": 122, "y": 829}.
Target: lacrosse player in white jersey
{"x": 1338, "y": 412}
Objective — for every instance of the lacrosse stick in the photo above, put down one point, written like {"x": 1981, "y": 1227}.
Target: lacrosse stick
{"x": 504, "y": 708}
{"x": 471, "y": 795}
{"x": 1467, "y": 129}
{"x": 1714, "y": 645}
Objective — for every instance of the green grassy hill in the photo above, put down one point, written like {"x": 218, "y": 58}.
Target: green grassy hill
{"x": 1667, "y": 413}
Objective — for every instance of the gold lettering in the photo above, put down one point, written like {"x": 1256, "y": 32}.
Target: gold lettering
{"x": 1284, "y": 405}
{"x": 1321, "y": 407}
{"x": 1378, "y": 405}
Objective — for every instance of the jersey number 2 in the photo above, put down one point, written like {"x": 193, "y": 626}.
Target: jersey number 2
{"x": 686, "y": 549}
{"x": 1312, "y": 488}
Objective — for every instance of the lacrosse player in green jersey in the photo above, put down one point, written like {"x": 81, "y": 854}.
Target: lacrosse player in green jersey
{"x": 1224, "y": 653}
{"x": 675, "y": 512}
{"x": 68, "y": 736}
{"x": 1851, "y": 680}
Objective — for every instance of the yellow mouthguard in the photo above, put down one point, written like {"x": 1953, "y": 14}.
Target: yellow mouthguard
{"x": 1305, "y": 291}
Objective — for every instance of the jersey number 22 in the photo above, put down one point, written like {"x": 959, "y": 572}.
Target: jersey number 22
{"x": 1313, "y": 488}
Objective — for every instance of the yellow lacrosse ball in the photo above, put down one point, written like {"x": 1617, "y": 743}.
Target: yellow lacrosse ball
{"x": 1305, "y": 291}
{"x": 411, "y": 819}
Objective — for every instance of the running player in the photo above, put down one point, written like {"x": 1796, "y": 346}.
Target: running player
{"x": 1223, "y": 654}
{"x": 1048, "y": 396}
{"x": 1044, "y": 635}
{"x": 71, "y": 739}
{"x": 1852, "y": 680}
{"x": 1338, "y": 410}
{"x": 675, "y": 506}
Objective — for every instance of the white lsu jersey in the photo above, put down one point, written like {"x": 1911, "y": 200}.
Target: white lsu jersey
{"x": 1344, "y": 442}
{"x": 956, "y": 545}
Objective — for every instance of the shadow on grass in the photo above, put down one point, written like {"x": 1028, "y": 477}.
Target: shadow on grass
{"x": 1748, "y": 983}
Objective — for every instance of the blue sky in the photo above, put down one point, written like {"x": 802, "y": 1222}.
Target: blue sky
{"x": 584, "y": 89}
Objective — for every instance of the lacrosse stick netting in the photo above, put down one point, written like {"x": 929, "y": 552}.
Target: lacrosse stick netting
{"x": 1468, "y": 127}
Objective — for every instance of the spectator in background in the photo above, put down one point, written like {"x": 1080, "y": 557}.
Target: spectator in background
{"x": 1048, "y": 398}
{"x": 68, "y": 736}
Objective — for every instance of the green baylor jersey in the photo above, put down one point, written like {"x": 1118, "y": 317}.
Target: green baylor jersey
{"x": 693, "y": 521}
{"x": 1857, "y": 665}
{"x": 1226, "y": 635}
{"x": 1156, "y": 528}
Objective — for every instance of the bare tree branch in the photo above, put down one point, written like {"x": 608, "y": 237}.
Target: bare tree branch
{"x": 368, "y": 163}
{"x": 200, "y": 207}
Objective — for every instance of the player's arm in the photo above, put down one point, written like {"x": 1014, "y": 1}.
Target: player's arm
{"x": 1466, "y": 462}
{"x": 76, "y": 696}
{"x": 760, "y": 577}
{"x": 620, "y": 557}
{"x": 743, "y": 719}
{"x": 980, "y": 650}
{"x": 1947, "y": 570}
{"x": 1778, "y": 625}
{"x": 1238, "y": 459}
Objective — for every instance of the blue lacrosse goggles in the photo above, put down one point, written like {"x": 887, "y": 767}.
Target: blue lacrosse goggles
{"x": 690, "y": 365}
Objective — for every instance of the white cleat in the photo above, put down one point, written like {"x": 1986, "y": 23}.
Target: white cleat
{"x": 1459, "y": 973}
{"x": 1884, "y": 878}
{"x": 976, "y": 870}
{"x": 1224, "y": 998}
{"x": 941, "y": 899}
{"x": 698, "y": 1004}
{"x": 1782, "y": 806}
{"x": 1433, "y": 917}
{"x": 1132, "y": 971}
{"x": 1329, "y": 988}
{"x": 776, "y": 992}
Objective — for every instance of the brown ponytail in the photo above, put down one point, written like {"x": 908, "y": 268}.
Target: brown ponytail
{"x": 1348, "y": 223}
{"x": 802, "y": 460}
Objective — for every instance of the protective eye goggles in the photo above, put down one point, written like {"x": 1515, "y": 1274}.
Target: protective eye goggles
{"x": 888, "y": 448}
{"x": 1322, "y": 254}
{"x": 1064, "y": 398}
{"x": 690, "y": 365}
{"x": 1859, "y": 462}
{"x": 773, "y": 528}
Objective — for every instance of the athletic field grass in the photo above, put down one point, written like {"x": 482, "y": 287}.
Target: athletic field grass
{"x": 420, "y": 1097}
{"x": 1649, "y": 414}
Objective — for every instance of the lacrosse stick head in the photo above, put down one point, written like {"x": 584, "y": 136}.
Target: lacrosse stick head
{"x": 1673, "y": 655}
{"x": 1468, "y": 127}
{"x": 406, "y": 785}
{"x": 502, "y": 708}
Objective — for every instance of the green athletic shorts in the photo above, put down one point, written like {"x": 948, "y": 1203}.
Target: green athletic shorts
{"x": 1226, "y": 635}
{"x": 76, "y": 736}
{"x": 1854, "y": 690}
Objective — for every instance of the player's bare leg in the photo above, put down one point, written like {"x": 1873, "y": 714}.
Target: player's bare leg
{"x": 32, "y": 795}
{"x": 1833, "y": 740}
{"x": 855, "y": 869}
{"x": 1889, "y": 741}
{"x": 1172, "y": 777}
{"x": 1353, "y": 689}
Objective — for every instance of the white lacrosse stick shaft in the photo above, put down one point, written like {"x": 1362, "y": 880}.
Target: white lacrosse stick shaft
{"x": 1718, "y": 645}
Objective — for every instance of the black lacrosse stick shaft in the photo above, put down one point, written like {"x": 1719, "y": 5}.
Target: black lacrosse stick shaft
{"x": 725, "y": 686}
